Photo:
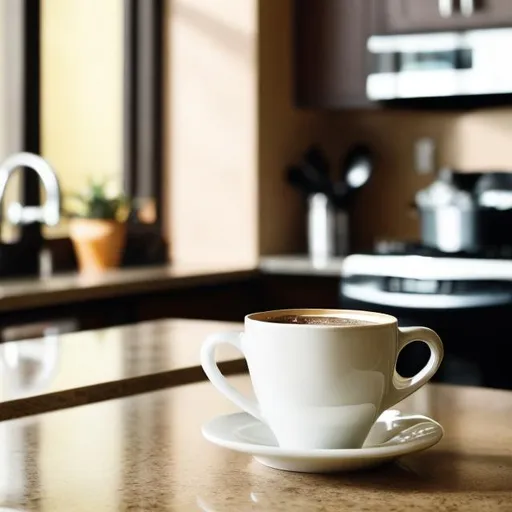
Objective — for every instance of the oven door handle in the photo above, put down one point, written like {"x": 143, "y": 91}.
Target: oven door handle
{"x": 372, "y": 295}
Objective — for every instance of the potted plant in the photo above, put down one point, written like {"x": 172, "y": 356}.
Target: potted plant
{"x": 98, "y": 228}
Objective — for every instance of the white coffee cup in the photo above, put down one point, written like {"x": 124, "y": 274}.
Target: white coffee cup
{"x": 322, "y": 386}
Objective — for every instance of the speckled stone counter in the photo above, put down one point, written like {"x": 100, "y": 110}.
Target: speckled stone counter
{"x": 146, "y": 453}
{"x": 59, "y": 371}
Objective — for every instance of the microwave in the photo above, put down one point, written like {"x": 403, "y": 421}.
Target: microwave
{"x": 469, "y": 64}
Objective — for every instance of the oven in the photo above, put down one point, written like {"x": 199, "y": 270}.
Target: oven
{"x": 468, "y": 302}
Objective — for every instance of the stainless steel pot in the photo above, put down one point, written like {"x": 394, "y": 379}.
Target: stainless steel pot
{"x": 449, "y": 228}
{"x": 448, "y": 215}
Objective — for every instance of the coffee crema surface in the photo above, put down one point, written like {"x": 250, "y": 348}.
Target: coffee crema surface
{"x": 318, "y": 320}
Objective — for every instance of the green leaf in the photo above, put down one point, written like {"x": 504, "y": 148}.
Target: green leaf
{"x": 95, "y": 204}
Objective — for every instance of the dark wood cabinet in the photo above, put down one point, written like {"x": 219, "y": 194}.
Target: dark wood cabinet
{"x": 419, "y": 15}
{"x": 290, "y": 291}
{"x": 331, "y": 60}
{"x": 227, "y": 301}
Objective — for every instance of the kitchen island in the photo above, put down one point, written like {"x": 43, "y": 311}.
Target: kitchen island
{"x": 146, "y": 452}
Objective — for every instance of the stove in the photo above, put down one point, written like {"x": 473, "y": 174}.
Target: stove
{"x": 410, "y": 248}
{"x": 465, "y": 297}
{"x": 414, "y": 261}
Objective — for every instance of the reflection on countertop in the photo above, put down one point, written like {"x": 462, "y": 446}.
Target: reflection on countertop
{"x": 28, "y": 367}
{"x": 28, "y": 293}
{"x": 58, "y": 371}
{"x": 147, "y": 453}
{"x": 301, "y": 265}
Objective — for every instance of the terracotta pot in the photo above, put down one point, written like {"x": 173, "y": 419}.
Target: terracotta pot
{"x": 98, "y": 243}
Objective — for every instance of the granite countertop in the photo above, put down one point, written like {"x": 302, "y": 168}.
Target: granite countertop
{"x": 147, "y": 453}
{"x": 59, "y": 371}
{"x": 301, "y": 265}
{"x": 28, "y": 293}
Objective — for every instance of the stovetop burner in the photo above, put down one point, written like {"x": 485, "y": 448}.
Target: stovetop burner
{"x": 405, "y": 248}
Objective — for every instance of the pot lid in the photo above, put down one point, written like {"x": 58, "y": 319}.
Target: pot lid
{"x": 443, "y": 192}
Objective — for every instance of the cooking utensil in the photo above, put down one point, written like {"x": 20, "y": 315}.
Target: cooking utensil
{"x": 357, "y": 166}
{"x": 308, "y": 179}
{"x": 327, "y": 222}
{"x": 296, "y": 178}
{"x": 356, "y": 170}
{"x": 315, "y": 165}
{"x": 316, "y": 158}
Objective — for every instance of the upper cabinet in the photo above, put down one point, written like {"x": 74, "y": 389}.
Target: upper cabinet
{"x": 419, "y": 15}
{"x": 331, "y": 60}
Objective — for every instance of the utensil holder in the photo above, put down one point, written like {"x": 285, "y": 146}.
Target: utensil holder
{"x": 327, "y": 228}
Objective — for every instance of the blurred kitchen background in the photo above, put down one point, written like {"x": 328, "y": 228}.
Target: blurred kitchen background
{"x": 289, "y": 153}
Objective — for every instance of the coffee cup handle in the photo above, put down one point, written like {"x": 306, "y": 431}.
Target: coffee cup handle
{"x": 402, "y": 387}
{"x": 209, "y": 364}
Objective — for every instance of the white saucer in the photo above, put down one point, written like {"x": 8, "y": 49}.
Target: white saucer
{"x": 393, "y": 435}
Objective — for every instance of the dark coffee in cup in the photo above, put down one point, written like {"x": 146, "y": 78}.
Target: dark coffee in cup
{"x": 318, "y": 320}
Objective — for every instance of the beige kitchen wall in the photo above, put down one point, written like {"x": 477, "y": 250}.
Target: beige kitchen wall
{"x": 284, "y": 133}
{"x": 482, "y": 140}
{"x": 383, "y": 208}
{"x": 232, "y": 129}
{"x": 473, "y": 141}
{"x": 210, "y": 140}
{"x": 468, "y": 141}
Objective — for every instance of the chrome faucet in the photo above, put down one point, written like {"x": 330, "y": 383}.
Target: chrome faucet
{"x": 49, "y": 212}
